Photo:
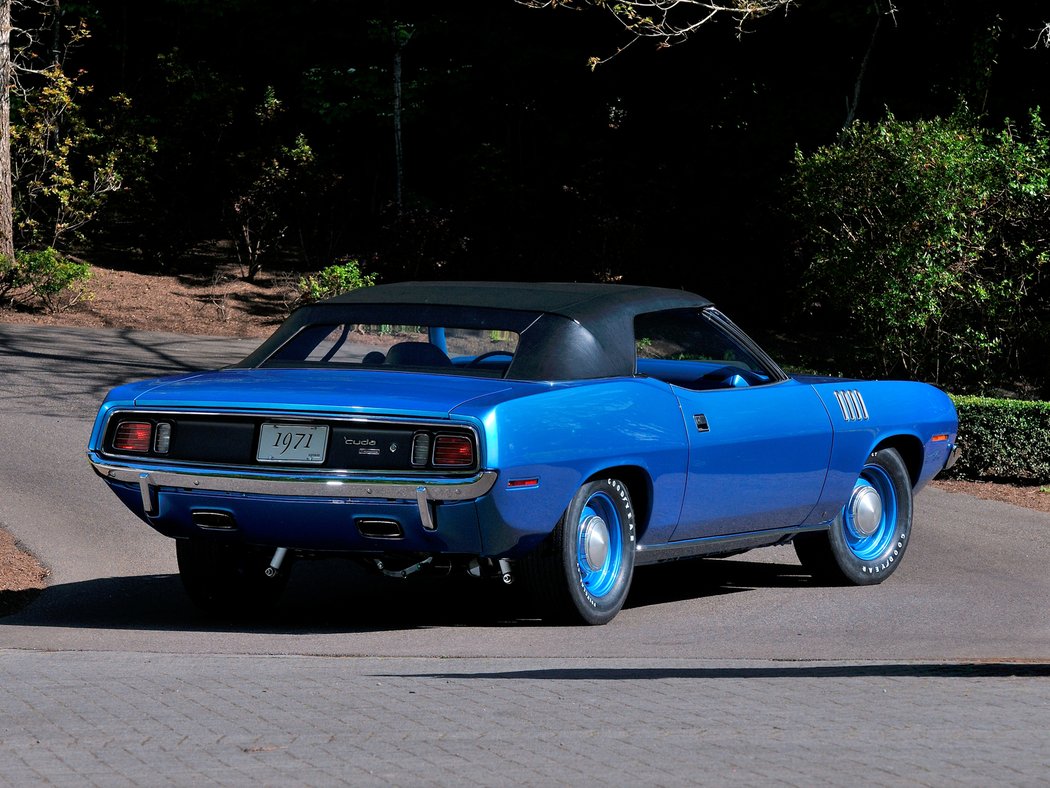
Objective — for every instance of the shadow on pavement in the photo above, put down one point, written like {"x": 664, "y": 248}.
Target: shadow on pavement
{"x": 51, "y": 370}
{"x": 340, "y": 596}
{"x": 965, "y": 670}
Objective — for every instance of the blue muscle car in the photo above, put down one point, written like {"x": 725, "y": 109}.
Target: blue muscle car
{"x": 553, "y": 434}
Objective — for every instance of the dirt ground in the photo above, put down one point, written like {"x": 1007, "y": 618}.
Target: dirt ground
{"x": 219, "y": 303}
{"x": 222, "y": 304}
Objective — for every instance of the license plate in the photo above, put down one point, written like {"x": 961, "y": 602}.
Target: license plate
{"x": 297, "y": 443}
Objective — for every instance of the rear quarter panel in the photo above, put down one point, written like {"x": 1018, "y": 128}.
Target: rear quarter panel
{"x": 564, "y": 434}
{"x": 121, "y": 397}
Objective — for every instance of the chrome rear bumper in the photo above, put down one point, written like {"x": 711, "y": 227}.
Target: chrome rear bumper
{"x": 247, "y": 482}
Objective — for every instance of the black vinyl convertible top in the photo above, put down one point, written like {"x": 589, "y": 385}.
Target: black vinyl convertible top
{"x": 575, "y": 330}
{"x": 586, "y": 303}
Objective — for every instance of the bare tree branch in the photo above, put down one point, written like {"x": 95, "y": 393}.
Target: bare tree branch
{"x": 890, "y": 11}
{"x": 668, "y": 21}
{"x": 1043, "y": 39}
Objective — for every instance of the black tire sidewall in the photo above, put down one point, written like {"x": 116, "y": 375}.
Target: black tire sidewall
{"x": 599, "y": 610}
{"x": 871, "y": 572}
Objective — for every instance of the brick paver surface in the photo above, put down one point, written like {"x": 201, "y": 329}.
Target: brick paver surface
{"x": 109, "y": 719}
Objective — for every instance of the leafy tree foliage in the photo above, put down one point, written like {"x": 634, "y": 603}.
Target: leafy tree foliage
{"x": 516, "y": 161}
{"x": 182, "y": 197}
{"x": 58, "y": 168}
{"x": 64, "y": 167}
{"x": 271, "y": 175}
{"x": 926, "y": 241}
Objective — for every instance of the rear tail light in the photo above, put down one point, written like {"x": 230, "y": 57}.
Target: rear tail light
{"x": 453, "y": 451}
{"x": 133, "y": 436}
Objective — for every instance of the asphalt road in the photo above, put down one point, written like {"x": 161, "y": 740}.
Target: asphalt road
{"x": 796, "y": 682}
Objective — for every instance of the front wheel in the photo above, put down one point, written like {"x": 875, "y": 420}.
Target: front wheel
{"x": 868, "y": 537}
{"x": 583, "y": 572}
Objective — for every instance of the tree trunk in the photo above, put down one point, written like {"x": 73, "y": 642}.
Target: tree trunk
{"x": 56, "y": 32}
{"x": 7, "y": 239}
{"x": 399, "y": 165}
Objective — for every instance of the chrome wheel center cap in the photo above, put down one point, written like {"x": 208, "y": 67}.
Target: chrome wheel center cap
{"x": 595, "y": 541}
{"x": 866, "y": 510}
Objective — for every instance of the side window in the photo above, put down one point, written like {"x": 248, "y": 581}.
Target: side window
{"x": 696, "y": 349}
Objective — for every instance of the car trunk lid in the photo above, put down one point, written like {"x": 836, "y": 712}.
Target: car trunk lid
{"x": 336, "y": 391}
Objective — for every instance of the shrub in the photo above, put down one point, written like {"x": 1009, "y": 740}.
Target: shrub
{"x": 12, "y": 277}
{"x": 925, "y": 240}
{"x": 341, "y": 277}
{"x": 46, "y": 277}
{"x": 1003, "y": 440}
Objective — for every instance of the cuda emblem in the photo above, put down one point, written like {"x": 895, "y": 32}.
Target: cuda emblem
{"x": 363, "y": 442}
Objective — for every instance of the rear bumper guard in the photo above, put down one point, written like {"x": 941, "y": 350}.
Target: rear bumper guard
{"x": 422, "y": 491}
{"x": 953, "y": 456}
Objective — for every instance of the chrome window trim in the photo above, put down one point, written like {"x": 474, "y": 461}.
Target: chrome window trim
{"x": 776, "y": 374}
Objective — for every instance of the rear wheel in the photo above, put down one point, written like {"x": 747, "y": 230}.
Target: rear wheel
{"x": 869, "y": 535}
{"x": 225, "y": 579}
{"x": 582, "y": 574}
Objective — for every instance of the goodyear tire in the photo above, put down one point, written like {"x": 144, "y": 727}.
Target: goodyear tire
{"x": 229, "y": 580}
{"x": 868, "y": 537}
{"x": 582, "y": 574}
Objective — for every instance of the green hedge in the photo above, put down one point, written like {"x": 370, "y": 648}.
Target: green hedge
{"x": 1003, "y": 439}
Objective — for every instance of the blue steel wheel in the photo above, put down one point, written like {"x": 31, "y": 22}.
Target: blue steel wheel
{"x": 599, "y": 545}
{"x": 869, "y": 519}
{"x": 867, "y": 540}
{"x": 583, "y": 573}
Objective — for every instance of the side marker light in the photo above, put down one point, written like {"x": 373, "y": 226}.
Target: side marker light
{"x": 519, "y": 484}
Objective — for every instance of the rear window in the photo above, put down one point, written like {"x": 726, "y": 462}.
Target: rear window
{"x": 436, "y": 338}
{"x": 482, "y": 351}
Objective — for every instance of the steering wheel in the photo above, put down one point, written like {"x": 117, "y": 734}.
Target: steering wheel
{"x": 478, "y": 359}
